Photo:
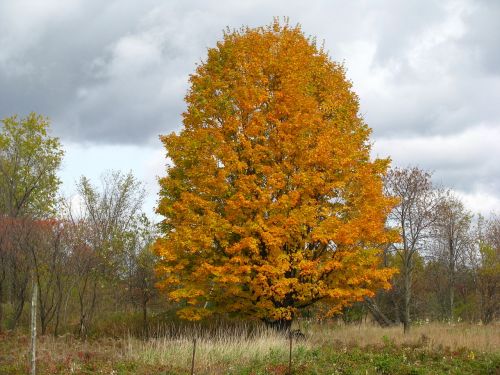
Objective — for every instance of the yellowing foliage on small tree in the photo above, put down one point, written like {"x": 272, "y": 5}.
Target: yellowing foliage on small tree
{"x": 271, "y": 202}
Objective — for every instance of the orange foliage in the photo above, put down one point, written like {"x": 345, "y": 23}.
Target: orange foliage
{"x": 271, "y": 203}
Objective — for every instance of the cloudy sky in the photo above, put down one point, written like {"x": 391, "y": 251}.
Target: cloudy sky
{"x": 111, "y": 75}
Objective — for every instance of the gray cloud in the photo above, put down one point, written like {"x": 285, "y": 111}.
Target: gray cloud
{"x": 427, "y": 72}
{"x": 465, "y": 161}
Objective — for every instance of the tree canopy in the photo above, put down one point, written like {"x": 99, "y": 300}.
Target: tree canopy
{"x": 271, "y": 202}
{"x": 29, "y": 160}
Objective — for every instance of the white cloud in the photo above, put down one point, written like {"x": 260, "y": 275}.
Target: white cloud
{"x": 477, "y": 146}
{"x": 91, "y": 161}
{"x": 480, "y": 202}
{"x": 466, "y": 162}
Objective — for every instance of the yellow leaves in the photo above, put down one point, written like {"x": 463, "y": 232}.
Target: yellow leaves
{"x": 249, "y": 244}
{"x": 193, "y": 314}
{"x": 332, "y": 266}
{"x": 282, "y": 313}
{"x": 271, "y": 202}
{"x": 190, "y": 294}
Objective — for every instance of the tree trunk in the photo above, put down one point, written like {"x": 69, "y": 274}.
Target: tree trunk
{"x": 145, "y": 319}
{"x": 56, "y": 325}
{"x": 451, "y": 302}
{"x": 18, "y": 310}
{"x": 2, "y": 284}
{"x": 19, "y": 288}
{"x": 58, "y": 314}
{"x": 407, "y": 300}
{"x": 43, "y": 325}
{"x": 81, "y": 329}
{"x": 33, "y": 328}
{"x": 281, "y": 325}
{"x": 1, "y": 305}
{"x": 397, "y": 308}
{"x": 377, "y": 314}
{"x": 451, "y": 278}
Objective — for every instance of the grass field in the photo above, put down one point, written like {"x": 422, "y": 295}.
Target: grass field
{"x": 327, "y": 349}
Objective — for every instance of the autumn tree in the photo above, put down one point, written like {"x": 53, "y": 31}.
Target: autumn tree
{"x": 271, "y": 202}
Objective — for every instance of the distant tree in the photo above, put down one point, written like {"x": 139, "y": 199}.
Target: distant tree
{"x": 18, "y": 238}
{"x": 414, "y": 216}
{"x": 108, "y": 215}
{"x": 3, "y": 267}
{"x": 84, "y": 263}
{"x": 141, "y": 262}
{"x": 29, "y": 160}
{"x": 272, "y": 202}
{"x": 487, "y": 269}
{"x": 49, "y": 257}
{"x": 452, "y": 231}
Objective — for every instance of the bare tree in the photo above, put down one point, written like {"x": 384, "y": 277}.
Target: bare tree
{"x": 3, "y": 266}
{"x": 108, "y": 214}
{"x": 452, "y": 232}
{"x": 49, "y": 260}
{"x": 486, "y": 265}
{"x": 414, "y": 216}
{"x": 141, "y": 261}
{"x": 19, "y": 239}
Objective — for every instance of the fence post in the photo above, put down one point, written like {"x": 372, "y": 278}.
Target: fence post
{"x": 34, "y": 297}
{"x": 290, "y": 355}
{"x": 192, "y": 360}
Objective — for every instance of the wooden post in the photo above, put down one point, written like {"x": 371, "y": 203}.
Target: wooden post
{"x": 192, "y": 360}
{"x": 34, "y": 297}
{"x": 290, "y": 356}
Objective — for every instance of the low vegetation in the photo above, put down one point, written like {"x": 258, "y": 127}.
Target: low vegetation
{"x": 326, "y": 349}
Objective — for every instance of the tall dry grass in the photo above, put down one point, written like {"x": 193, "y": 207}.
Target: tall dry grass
{"x": 213, "y": 352}
{"x": 241, "y": 348}
{"x": 433, "y": 335}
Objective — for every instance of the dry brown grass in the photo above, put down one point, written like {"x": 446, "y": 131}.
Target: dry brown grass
{"x": 239, "y": 348}
{"x": 213, "y": 352}
{"x": 453, "y": 336}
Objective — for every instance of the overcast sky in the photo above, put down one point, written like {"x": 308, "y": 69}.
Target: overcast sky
{"x": 111, "y": 75}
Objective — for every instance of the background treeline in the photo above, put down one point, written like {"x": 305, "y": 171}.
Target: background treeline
{"x": 448, "y": 259}
{"x": 91, "y": 257}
